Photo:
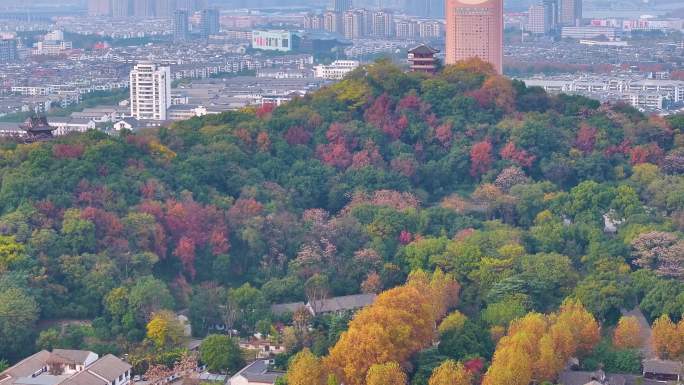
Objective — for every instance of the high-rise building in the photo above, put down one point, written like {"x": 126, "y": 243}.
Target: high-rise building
{"x": 430, "y": 29}
{"x": 474, "y": 28}
{"x": 551, "y": 14}
{"x": 536, "y": 20}
{"x": 210, "y": 24}
{"x": 406, "y": 29}
{"x": 313, "y": 22}
{"x": 143, "y": 8}
{"x": 570, "y": 12}
{"x": 353, "y": 24}
{"x": 121, "y": 8}
{"x": 8, "y": 50}
{"x": 150, "y": 91}
{"x": 383, "y": 24}
{"x": 99, "y": 7}
{"x": 332, "y": 22}
{"x": 164, "y": 8}
{"x": 181, "y": 27}
{"x": 341, "y": 5}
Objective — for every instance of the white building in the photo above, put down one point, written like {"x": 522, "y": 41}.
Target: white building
{"x": 256, "y": 373}
{"x": 274, "y": 40}
{"x": 68, "y": 367}
{"x": 150, "y": 91}
{"x": 335, "y": 71}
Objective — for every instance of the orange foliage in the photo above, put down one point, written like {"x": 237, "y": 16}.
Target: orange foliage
{"x": 400, "y": 323}
{"x": 668, "y": 338}
{"x": 537, "y": 346}
{"x": 627, "y": 334}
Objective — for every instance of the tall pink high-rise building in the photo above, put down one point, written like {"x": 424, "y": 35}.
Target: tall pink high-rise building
{"x": 474, "y": 28}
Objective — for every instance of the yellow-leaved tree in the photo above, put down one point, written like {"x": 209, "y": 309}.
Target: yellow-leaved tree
{"x": 668, "y": 338}
{"x": 386, "y": 374}
{"x": 306, "y": 369}
{"x": 537, "y": 346}
{"x": 164, "y": 330}
{"x": 400, "y": 323}
{"x": 628, "y": 333}
{"x": 451, "y": 372}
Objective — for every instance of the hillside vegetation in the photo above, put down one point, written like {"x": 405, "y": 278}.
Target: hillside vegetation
{"x": 523, "y": 198}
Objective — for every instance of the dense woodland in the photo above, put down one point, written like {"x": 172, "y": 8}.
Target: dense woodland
{"x": 492, "y": 210}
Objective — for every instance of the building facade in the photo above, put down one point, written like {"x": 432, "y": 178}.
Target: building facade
{"x": 341, "y": 5}
{"x": 272, "y": 40}
{"x": 8, "y": 50}
{"x": 337, "y": 70}
{"x": 210, "y": 24}
{"x": 150, "y": 87}
{"x": 99, "y": 7}
{"x": 181, "y": 27}
{"x": 475, "y": 29}
{"x": 570, "y": 12}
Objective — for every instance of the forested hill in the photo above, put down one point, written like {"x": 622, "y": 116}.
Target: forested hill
{"x": 346, "y": 190}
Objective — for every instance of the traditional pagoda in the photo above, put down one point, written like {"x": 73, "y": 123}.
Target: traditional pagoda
{"x": 422, "y": 59}
{"x": 37, "y": 129}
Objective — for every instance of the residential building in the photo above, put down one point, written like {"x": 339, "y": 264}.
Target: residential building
{"x": 122, "y": 8}
{"x": 341, "y": 5}
{"x": 164, "y": 8}
{"x": 353, "y": 24}
{"x": 99, "y": 7}
{"x": 8, "y": 50}
{"x": 150, "y": 87}
{"x": 68, "y": 367}
{"x": 590, "y": 32}
{"x": 475, "y": 29}
{"x": 383, "y": 24}
{"x": 422, "y": 59}
{"x": 143, "y": 8}
{"x": 181, "y": 27}
{"x": 256, "y": 373}
{"x": 327, "y": 305}
{"x": 273, "y": 40}
{"x": 337, "y": 70}
{"x": 332, "y": 22}
{"x": 662, "y": 370}
{"x": 591, "y": 378}
{"x": 210, "y": 22}
{"x": 536, "y": 20}
{"x": 313, "y": 22}
{"x": 570, "y": 12}
{"x": 406, "y": 29}
{"x": 430, "y": 29}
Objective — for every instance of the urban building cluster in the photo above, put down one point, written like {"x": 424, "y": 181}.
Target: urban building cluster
{"x": 645, "y": 94}
{"x": 359, "y": 23}
{"x": 142, "y": 8}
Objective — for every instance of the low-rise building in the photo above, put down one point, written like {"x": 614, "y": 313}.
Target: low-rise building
{"x": 258, "y": 372}
{"x": 68, "y": 367}
{"x": 337, "y": 70}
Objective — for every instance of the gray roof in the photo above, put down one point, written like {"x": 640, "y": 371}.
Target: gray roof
{"x": 109, "y": 367}
{"x": 84, "y": 378}
{"x": 348, "y": 302}
{"x": 258, "y": 371}
{"x": 584, "y": 378}
{"x": 74, "y": 356}
{"x": 284, "y": 308}
{"x": 662, "y": 366}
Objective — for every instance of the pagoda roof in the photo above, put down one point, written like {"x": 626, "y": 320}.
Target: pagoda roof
{"x": 423, "y": 49}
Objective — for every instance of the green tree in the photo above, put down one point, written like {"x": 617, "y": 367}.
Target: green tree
{"x": 18, "y": 314}
{"x": 221, "y": 354}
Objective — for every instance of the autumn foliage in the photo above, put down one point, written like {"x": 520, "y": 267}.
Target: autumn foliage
{"x": 668, "y": 338}
{"x": 628, "y": 333}
{"x": 537, "y": 346}
{"x": 400, "y": 323}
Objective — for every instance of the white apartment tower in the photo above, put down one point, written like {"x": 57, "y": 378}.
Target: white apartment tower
{"x": 150, "y": 91}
